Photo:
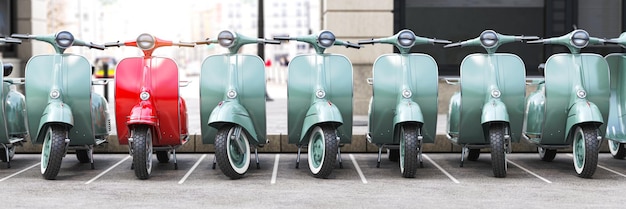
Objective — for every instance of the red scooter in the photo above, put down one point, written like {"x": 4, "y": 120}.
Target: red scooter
{"x": 149, "y": 112}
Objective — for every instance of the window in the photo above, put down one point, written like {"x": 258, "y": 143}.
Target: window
{"x": 7, "y": 26}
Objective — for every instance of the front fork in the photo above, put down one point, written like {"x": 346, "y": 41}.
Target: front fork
{"x": 338, "y": 154}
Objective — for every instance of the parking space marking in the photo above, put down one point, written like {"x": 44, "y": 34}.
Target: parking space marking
{"x": 531, "y": 173}
{"x": 612, "y": 171}
{"x": 275, "y": 170}
{"x": 192, "y": 169}
{"x": 21, "y": 171}
{"x": 441, "y": 169}
{"x": 107, "y": 170}
{"x": 358, "y": 169}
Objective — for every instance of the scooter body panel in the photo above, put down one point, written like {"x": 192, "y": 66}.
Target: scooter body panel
{"x": 215, "y": 106}
{"x": 100, "y": 115}
{"x": 159, "y": 77}
{"x": 389, "y": 108}
{"x": 510, "y": 75}
{"x": 14, "y": 111}
{"x": 71, "y": 76}
{"x": 561, "y": 74}
{"x": 616, "y": 124}
{"x": 534, "y": 114}
{"x": 301, "y": 89}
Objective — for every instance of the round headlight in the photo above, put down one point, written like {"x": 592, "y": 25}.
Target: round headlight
{"x": 64, "y": 39}
{"x": 326, "y": 39}
{"x": 231, "y": 94}
{"x": 55, "y": 94}
{"x": 488, "y": 38}
{"x": 406, "y": 93}
{"x": 320, "y": 93}
{"x": 580, "y": 39}
{"x": 145, "y": 41}
{"x": 581, "y": 94}
{"x": 406, "y": 38}
{"x": 226, "y": 38}
{"x": 496, "y": 93}
{"x": 144, "y": 96}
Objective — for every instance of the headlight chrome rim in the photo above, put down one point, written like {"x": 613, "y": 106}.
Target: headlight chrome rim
{"x": 231, "y": 94}
{"x": 55, "y": 94}
{"x": 144, "y": 96}
{"x": 496, "y": 93}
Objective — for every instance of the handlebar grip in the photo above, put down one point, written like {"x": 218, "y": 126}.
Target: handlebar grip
{"x": 266, "y": 41}
{"x": 366, "y": 42}
{"x": 110, "y": 44}
{"x": 21, "y": 36}
{"x": 540, "y": 41}
{"x": 527, "y": 38}
{"x": 186, "y": 44}
{"x": 453, "y": 45}
{"x": 440, "y": 41}
{"x": 282, "y": 38}
{"x": 96, "y": 46}
{"x": 11, "y": 40}
{"x": 207, "y": 42}
{"x": 352, "y": 45}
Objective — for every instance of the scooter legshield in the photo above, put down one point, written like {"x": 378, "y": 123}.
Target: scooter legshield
{"x": 303, "y": 76}
{"x": 510, "y": 78}
{"x": 71, "y": 76}
{"x": 161, "y": 82}
{"x": 388, "y": 105}
{"x": 249, "y": 71}
{"x": 616, "y": 124}
{"x": 561, "y": 73}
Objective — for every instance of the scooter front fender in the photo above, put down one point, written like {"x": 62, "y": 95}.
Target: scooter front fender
{"x": 494, "y": 110}
{"x": 55, "y": 112}
{"x": 321, "y": 111}
{"x": 142, "y": 113}
{"x": 408, "y": 111}
{"x": 583, "y": 111}
{"x": 231, "y": 112}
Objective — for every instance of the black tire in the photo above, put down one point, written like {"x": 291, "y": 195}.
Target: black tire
{"x": 142, "y": 151}
{"x": 473, "y": 154}
{"x": 498, "y": 150}
{"x": 408, "y": 150}
{"x": 585, "y": 150}
{"x": 3, "y": 153}
{"x": 163, "y": 156}
{"x": 83, "y": 156}
{"x": 233, "y": 161}
{"x": 618, "y": 151}
{"x": 53, "y": 151}
{"x": 547, "y": 155}
{"x": 393, "y": 155}
{"x": 322, "y": 150}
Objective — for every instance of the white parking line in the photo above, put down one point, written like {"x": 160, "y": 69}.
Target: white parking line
{"x": 531, "y": 173}
{"x": 107, "y": 170}
{"x": 275, "y": 171}
{"x": 612, "y": 171}
{"x": 21, "y": 171}
{"x": 192, "y": 169}
{"x": 441, "y": 169}
{"x": 358, "y": 169}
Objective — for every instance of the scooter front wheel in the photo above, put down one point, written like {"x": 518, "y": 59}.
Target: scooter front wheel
{"x": 142, "y": 151}
{"x": 322, "y": 150}
{"x": 409, "y": 146}
{"x": 585, "y": 150}
{"x": 232, "y": 151}
{"x": 617, "y": 149}
{"x": 53, "y": 151}
{"x": 498, "y": 150}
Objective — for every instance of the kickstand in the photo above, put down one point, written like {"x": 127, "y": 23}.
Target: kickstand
{"x": 256, "y": 154}
{"x": 175, "y": 160}
{"x": 339, "y": 156}
{"x": 298, "y": 157}
{"x": 463, "y": 152}
{"x": 214, "y": 162}
{"x": 380, "y": 151}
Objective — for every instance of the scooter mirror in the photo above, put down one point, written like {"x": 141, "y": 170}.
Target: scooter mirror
{"x": 8, "y": 69}
{"x": 226, "y": 39}
{"x": 580, "y": 39}
{"x": 488, "y": 39}
{"x": 326, "y": 39}
{"x": 64, "y": 39}
{"x": 145, "y": 41}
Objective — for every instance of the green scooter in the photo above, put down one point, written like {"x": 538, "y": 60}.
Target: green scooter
{"x": 232, "y": 100}
{"x": 13, "y": 131}
{"x": 319, "y": 102}
{"x": 63, "y": 111}
{"x": 571, "y": 103}
{"x": 616, "y": 125}
{"x": 488, "y": 111}
{"x": 403, "y": 108}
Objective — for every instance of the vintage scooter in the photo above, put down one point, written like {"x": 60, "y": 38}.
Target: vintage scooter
{"x": 63, "y": 111}
{"x": 571, "y": 103}
{"x": 319, "y": 102}
{"x": 149, "y": 112}
{"x": 13, "y": 131}
{"x": 616, "y": 125}
{"x": 488, "y": 111}
{"x": 403, "y": 108}
{"x": 232, "y": 103}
